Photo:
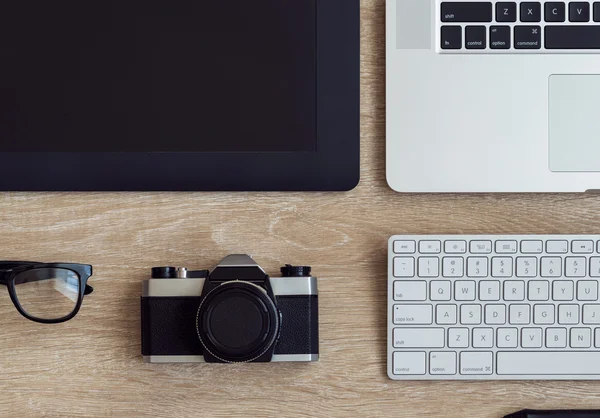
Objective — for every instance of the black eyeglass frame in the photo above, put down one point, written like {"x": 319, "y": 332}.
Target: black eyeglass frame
{"x": 9, "y": 270}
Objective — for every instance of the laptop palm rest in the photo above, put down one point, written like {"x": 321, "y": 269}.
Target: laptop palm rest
{"x": 573, "y": 134}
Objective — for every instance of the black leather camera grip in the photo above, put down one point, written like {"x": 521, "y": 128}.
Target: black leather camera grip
{"x": 169, "y": 326}
{"x": 299, "y": 325}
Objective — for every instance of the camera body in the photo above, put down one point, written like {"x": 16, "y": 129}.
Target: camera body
{"x": 234, "y": 314}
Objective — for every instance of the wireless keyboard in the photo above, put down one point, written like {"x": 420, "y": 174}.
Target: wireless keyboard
{"x": 528, "y": 26}
{"x": 464, "y": 307}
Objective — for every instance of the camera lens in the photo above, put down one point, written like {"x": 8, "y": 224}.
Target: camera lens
{"x": 237, "y": 322}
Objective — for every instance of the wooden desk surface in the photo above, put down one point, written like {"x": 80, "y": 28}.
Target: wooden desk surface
{"x": 92, "y": 364}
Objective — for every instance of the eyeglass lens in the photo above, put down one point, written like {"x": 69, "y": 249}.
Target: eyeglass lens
{"x": 47, "y": 293}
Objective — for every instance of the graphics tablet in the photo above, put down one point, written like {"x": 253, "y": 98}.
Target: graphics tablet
{"x": 179, "y": 95}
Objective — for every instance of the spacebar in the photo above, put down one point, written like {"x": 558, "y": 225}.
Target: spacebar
{"x": 548, "y": 362}
{"x": 572, "y": 37}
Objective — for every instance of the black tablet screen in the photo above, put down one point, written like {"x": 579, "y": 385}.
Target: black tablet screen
{"x": 157, "y": 75}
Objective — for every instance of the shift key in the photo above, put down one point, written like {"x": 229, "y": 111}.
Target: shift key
{"x": 466, "y": 12}
{"x": 418, "y": 337}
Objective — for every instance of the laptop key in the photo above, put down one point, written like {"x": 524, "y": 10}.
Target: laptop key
{"x": 451, "y": 37}
{"x": 466, "y": 12}
{"x": 528, "y": 37}
{"x": 554, "y": 12}
{"x": 506, "y": 12}
{"x": 475, "y": 37}
{"x": 597, "y": 12}
{"x": 531, "y": 12}
{"x": 579, "y": 12}
{"x": 572, "y": 37}
{"x": 500, "y": 37}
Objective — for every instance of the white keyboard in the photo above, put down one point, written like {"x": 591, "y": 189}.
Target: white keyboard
{"x": 479, "y": 307}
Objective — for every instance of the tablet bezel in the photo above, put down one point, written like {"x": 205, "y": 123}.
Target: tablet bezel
{"x": 333, "y": 167}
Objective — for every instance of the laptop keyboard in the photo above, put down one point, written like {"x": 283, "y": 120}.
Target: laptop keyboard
{"x": 553, "y": 26}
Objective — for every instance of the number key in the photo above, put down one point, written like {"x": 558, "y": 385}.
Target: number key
{"x": 428, "y": 267}
{"x": 595, "y": 267}
{"x": 452, "y": 267}
{"x": 526, "y": 266}
{"x": 502, "y": 267}
{"x": 575, "y": 266}
{"x": 477, "y": 267}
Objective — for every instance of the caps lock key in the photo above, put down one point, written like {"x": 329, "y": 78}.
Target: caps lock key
{"x": 466, "y": 12}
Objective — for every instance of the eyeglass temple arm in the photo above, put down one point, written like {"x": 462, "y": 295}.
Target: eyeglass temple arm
{"x": 88, "y": 289}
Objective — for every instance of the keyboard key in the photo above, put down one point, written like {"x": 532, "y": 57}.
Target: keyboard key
{"x": 556, "y": 337}
{"x": 591, "y": 314}
{"x": 579, "y": 12}
{"x": 470, "y": 314}
{"x": 410, "y": 290}
{"x": 506, "y": 12}
{"x": 418, "y": 337}
{"x": 531, "y": 246}
{"x": 483, "y": 337}
{"x": 442, "y": 362}
{"x": 489, "y": 290}
{"x": 500, "y": 39}
{"x": 409, "y": 362}
{"x": 495, "y": 314}
{"x": 458, "y": 337}
{"x": 429, "y": 267}
{"x": 518, "y": 314}
{"x": 562, "y": 290}
{"x": 506, "y": 247}
{"x": 531, "y": 12}
{"x": 466, "y": 12}
{"x": 543, "y": 314}
{"x": 476, "y": 362}
{"x": 475, "y": 38}
{"x": 568, "y": 314}
{"x": 502, "y": 266}
{"x": 407, "y": 314}
{"x": 526, "y": 267}
{"x": 581, "y": 338}
{"x": 404, "y": 267}
{"x": 452, "y": 267}
{"x": 455, "y": 247}
{"x": 548, "y": 362}
{"x": 477, "y": 267}
{"x": 572, "y": 37}
{"x": 538, "y": 290}
{"x": 445, "y": 314}
{"x": 451, "y": 37}
{"x": 587, "y": 290}
{"x": 430, "y": 247}
{"x": 575, "y": 267}
{"x": 481, "y": 247}
{"x": 582, "y": 247}
{"x": 531, "y": 338}
{"x": 507, "y": 337}
{"x": 404, "y": 247}
{"x": 557, "y": 246}
{"x": 464, "y": 290}
{"x": 554, "y": 12}
{"x": 514, "y": 290}
{"x": 597, "y": 338}
{"x": 596, "y": 11}
{"x": 595, "y": 266}
{"x": 440, "y": 290}
{"x": 551, "y": 267}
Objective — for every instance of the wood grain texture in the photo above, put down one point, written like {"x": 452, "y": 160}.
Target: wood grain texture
{"x": 92, "y": 366}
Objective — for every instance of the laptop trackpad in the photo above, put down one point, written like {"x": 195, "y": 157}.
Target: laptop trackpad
{"x": 574, "y": 132}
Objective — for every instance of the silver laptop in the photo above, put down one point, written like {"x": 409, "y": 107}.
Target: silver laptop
{"x": 493, "y": 96}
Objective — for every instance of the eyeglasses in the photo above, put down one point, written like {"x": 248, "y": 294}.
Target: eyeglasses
{"x": 46, "y": 292}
